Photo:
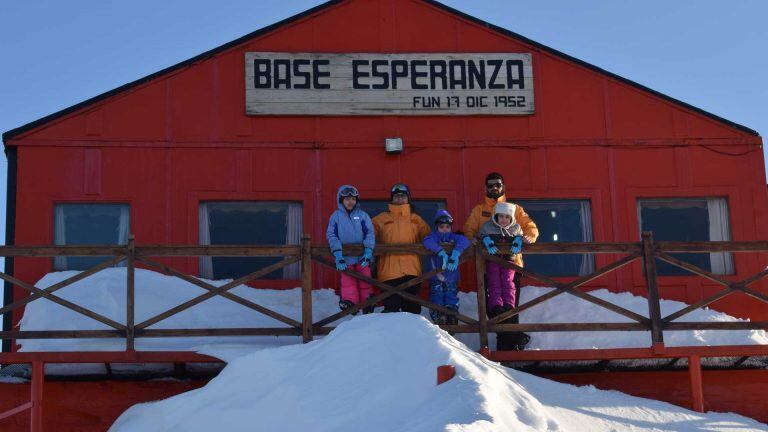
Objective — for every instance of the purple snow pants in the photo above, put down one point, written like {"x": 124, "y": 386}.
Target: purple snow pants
{"x": 501, "y": 288}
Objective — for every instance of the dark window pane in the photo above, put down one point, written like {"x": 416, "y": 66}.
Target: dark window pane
{"x": 560, "y": 221}
{"x": 246, "y": 223}
{"x": 677, "y": 220}
{"x": 89, "y": 224}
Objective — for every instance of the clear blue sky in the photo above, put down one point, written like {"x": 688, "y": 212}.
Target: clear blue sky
{"x": 54, "y": 54}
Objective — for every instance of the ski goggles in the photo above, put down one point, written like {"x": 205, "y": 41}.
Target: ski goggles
{"x": 399, "y": 188}
{"x": 349, "y": 192}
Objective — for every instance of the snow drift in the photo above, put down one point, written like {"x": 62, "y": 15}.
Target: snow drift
{"x": 378, "y": 373}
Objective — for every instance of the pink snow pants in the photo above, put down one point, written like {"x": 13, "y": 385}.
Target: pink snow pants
{"x": 501, "y": 288}
{"x": 355, "y": 290}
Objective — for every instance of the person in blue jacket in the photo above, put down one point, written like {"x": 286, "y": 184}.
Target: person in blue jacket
{"x": 351, "y": 225}
{"x": 443, "y": 287}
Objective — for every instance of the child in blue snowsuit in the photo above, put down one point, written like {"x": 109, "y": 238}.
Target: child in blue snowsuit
{"x": 348, "y": 225}
{"x": 443, "y": 287}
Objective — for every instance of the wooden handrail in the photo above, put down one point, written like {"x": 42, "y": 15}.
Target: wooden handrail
{"x": 307, "y": 254}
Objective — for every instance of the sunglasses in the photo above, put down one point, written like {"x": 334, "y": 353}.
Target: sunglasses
{"x": 494, "y": 185}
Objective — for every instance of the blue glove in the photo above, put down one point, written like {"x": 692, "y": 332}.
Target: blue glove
{"x": 367, "y": 257}
{"x": 490, "y": 246}
{"x": 341, "y": 264}
{"x": 453, "y": 262}
{"x": 517, "y": 245}
{"x": 444, "y": 256}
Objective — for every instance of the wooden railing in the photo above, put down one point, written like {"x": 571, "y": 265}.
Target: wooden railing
{"x": 307, "y": 327}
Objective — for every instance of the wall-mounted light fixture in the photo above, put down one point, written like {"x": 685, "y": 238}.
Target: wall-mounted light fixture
{"x": 393, "y": 145}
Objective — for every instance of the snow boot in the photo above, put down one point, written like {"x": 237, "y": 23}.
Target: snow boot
{"x": 437, "y": 317}
{"x": 346, "y": 304}
{"x": 521, "y": 340}
{"x": 369, "y": 309}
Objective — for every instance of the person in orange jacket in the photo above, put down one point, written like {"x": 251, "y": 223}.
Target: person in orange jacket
{"x": 400, "y": 225}
{"x": 481, "y": 213}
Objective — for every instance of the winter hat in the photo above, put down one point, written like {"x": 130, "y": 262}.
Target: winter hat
{"x": 442, "y": 217}
{"x": 504, "y": 208}
{"x": 400, "y": 188}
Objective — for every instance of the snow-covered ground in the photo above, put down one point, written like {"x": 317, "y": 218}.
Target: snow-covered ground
{"x": 104, "y": 293}
{"x": 378, "y": 373}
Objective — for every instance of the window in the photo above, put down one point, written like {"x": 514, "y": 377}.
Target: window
{"x": 688, "y": 219}
{"x": 560, "y": 221}
{"x": 89, "y": 224}
{"x": 249, "y": 223}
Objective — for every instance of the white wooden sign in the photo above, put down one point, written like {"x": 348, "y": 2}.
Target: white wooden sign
{"x": 388, "y": 84}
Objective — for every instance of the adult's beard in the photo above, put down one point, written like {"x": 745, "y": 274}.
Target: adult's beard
{"x": 495, "y": 195}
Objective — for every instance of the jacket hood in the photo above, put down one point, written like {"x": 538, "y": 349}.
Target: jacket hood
{"x": 504, "y": 208}
{"x": 338, "y": 198}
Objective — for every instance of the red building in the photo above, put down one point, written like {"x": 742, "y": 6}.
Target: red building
{"x": 178, "y": 157}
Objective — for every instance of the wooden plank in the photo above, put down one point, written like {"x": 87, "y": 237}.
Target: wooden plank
{"x": 573, "y": 284}
{"x": 65, "y": 303}
{"x": 61, "y": 334}
{"x": 239, "y": 300}
{"x": 569, "y": 327}
{"x": 755, "y": 278}
{"x": 728, "y": 325}
{"x": 698, "y": 305}
{"x": 697, "y": 386}
{"x": 692, "y": 268}
{"x": 130, "y": 295}
{"x": 59, "y": 285}
{"x": 654, "y": 307}
{"x": 18, "y": 409}
{"x": 575, "y": 292}
{"x": 482, "y": 312}
{"x": 217, "y": 290}
{"x": 160, "y": 333}
{"x": 107, "y": 357}
{"x": 387, "y": 84}
{"x": 38, "y": 379}
{"x": 53, "y": 251}
{"x": 753, "y": 294}
{"x": 306, "y": 289}
{"x": 534, "y": 249}
{"x": 218, "y": 250}
{"x": 387, "y": 291}
{"x": 712, "y": 246}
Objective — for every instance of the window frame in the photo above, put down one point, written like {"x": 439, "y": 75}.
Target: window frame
{"x": 594, "y": 260}
{"x": 683, "y": 286}
{"x": 59, "y": 202}
{"x": 730, "y": 256}
{"x": 194, "y": 198}
{"x": 250, "y": 201}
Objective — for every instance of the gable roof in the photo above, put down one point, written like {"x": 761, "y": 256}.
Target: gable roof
{"x": 39, "y": 122}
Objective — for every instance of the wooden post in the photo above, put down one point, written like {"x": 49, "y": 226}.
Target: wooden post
{"x": 306, "y": 288}
{"x": 130, "y": 295}
{"x": 654, "y": 308}
{"x": 481, "y": 314}
{"x": 36, "y": 414}
{"x": 697, "y": 387}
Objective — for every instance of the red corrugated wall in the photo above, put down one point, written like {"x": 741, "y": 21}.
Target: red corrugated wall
{"x": 165, "y": 145}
